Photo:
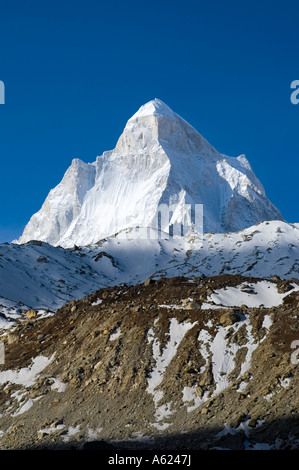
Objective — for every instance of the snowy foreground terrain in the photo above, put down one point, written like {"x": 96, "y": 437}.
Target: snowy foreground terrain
{"x": 38, "y": 275}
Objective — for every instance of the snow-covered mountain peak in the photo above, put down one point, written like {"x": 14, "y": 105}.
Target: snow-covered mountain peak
{"x": 151, "y": 125}
{"x": 154, "y": 107}
{"x": 156, "y": 125}
{"x": 158, "y": 159}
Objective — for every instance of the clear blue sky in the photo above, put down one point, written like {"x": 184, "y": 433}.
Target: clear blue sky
{"x": 76, "y": 70}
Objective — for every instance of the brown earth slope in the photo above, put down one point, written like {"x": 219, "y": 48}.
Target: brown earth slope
{"x": 136, "y": 368}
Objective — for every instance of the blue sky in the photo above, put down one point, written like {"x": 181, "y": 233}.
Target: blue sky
{"x": 75, "y": 71}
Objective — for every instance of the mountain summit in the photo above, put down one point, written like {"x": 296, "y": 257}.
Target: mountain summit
{"x": 158, "y": 159}
{"x": 155, "y": 107}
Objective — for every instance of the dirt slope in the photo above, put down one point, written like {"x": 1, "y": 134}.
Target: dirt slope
{"x": 147, "y": 367}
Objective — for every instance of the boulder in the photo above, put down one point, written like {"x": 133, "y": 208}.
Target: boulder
{"x": 148, "y": 282}
{"x": 229, "y": 318}
{"x": 41, "y": 259}
{"x": 31, "y": 314}
{"x": 193, "y": 305}
{"x": 284, "y": 287}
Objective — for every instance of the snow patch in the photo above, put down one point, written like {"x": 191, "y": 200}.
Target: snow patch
{"x": 221, "y": 353}
{"x": 115, "y": 335}
{"x": 162, "y": 360}
{"x": 58, "y": 385}
{"x": 27, "y": 375}
{"x": 250, "y": 294}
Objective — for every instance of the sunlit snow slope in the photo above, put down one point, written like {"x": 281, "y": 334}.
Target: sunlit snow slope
{"x": 42, "y": 276}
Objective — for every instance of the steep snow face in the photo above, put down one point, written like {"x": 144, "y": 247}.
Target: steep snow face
{"x": 62, "y": 206}
{"x": 159, "y": 159}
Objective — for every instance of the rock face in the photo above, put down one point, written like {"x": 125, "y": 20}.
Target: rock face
{"x": 159, "y": 159}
